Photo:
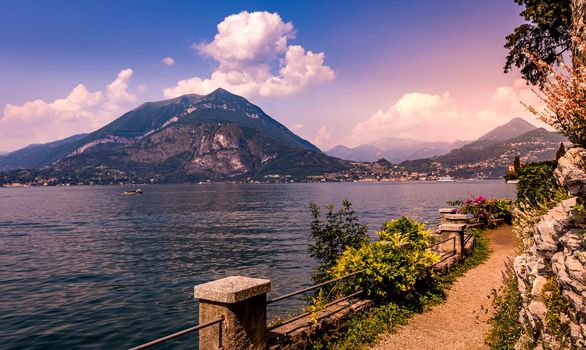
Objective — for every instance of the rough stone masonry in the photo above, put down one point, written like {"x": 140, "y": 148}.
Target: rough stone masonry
{"x": 558, "y": 249}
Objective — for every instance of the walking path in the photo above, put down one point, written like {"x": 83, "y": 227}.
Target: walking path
{"x": 462, "y": 321}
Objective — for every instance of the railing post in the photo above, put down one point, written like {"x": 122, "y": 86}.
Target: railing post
{"x": 443, "y": 212}
{"x": 242, "y": 303}
{"x": 457, "y": 231}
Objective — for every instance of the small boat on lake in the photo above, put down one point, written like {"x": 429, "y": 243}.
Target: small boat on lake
{"x": 132, "y": 192}
{"x": 445, "y": 179}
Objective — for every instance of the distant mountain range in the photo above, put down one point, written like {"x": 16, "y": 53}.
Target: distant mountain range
{"x": 188, "y": 138}
{"x": 222, "y": 136}
{"x": 491, "y": 154}
{"x": 394, "y": 149}
{"x": 397, "y": 150}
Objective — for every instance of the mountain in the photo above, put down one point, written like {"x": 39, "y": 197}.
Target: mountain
{"x": 393, "y": 149}
{"x": 37, "y": 155}
{"x": 490, "y": 159}
{"x": 515, "y": 127}
{"x": 396, "y": 149}
{"x": 189, "y": 138}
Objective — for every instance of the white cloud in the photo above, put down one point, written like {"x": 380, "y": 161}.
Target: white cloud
{"x": 81, "y": 110}
{"x": 322, "y": 138}
{"x": 246, "y": 48}
{"x": 169, "y": 61}
{"x": 439, "y": 118}
{"x": 296, "y": 127}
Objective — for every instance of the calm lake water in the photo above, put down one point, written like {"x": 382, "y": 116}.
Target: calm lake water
{"x": 86, "y": 267}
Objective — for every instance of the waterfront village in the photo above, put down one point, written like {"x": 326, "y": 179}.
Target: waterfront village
{"x": 379, "y": 171}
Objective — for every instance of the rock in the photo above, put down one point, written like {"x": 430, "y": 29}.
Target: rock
{"x": 576, "y": 270}
{"x": 572, "y": 239}
{"x": 544, "y": 237}
{"x": 576, "y": 300}
{"x": 537, "y": 310}
{"x": 537, "y": 289}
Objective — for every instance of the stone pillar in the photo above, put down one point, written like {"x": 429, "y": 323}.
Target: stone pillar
{"x": 456, "y": 218}
{"x": 242, "y": 303}
{"x": 443, "y": 212}
{"x": 453, "y": 230}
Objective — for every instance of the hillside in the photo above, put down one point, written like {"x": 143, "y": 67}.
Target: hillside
{"x": 38, "y": 155}
{"x": 490, "y": 159}
{"x": 190, "y": 138}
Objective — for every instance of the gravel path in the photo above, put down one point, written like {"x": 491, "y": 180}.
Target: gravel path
{"x": 462, "y": 321}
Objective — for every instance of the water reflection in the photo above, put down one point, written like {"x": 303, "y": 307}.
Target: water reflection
{"x": 90, "y": 268}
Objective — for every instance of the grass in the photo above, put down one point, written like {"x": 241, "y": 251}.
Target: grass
{"x": 505, "y": 326}
{"x": 362, "y": 329}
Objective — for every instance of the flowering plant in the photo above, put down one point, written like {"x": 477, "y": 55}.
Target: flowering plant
{"x": 485, "y": 210}
{"x": 564, "y": 97}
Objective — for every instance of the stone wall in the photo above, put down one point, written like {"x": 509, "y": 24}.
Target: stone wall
{"x": 557, "y": 249}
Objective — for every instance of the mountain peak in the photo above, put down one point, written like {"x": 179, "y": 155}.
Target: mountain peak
{"x": 513, "y": 128}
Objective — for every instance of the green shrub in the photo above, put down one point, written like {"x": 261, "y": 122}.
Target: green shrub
{"x": 557, "y": 305}
{"x": 537, "y": 183}
{"x": 331, "y": 237}
{"x": 363, "y": 328}
{"x": 393, "y": 264}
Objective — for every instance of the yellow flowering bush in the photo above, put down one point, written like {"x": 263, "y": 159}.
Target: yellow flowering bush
{"x": 392, "y": 265}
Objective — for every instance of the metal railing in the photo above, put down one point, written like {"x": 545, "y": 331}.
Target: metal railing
{"x": 446, "y": 255}
{"x": 184, "y": 332}
{"x": 309, "y": 289}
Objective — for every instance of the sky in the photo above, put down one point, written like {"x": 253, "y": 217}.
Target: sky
{"x": 334, "y": 72}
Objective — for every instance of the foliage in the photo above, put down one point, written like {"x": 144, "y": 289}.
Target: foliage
{"x": 547, "y": 34}
{"x": 363, "y": 328}
{"x": 564, "y": 95}
{"x": 505, "y": 326}
{"x": 560, "y": 152}
{"x": 487, "y": 211}
{"x": 556, "y": 305}
{"x": 537, "y": 183}
{"x": 331, "y": 237}
{"x": 392, "y": 265}
{"x": 517, "y": 164}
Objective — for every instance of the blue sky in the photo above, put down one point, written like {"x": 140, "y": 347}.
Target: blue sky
{"x": 389, "y": 68}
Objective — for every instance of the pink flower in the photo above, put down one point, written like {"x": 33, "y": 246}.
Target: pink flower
{"x": 480, "y": 199}
{"x": 469, "y": 200}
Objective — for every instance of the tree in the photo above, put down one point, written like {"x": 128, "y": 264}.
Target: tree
{"x": 578, "y": 33}
{"x": 561, "y": 151}
{"x": 331, "y": 237}
{"x": 547, "y": 35}
{"x": 517, "y": 164}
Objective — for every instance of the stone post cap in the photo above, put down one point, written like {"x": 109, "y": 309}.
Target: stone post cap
{"x": 452, "y": 227}
{"x": 232, "y": 289}
{"x": 447, "y": 210}
{"x": 457, "y": 216}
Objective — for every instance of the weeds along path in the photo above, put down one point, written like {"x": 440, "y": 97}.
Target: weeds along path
{"x": 461, "y": 322}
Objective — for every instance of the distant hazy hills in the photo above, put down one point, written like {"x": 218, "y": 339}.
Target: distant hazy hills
{"x": 216, "y": 136}
{"x": 394, "y": 149}
{"x": 492, "y": 153}
{"x": 397, "y": 150}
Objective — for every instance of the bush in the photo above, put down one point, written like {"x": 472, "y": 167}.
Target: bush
{"x": 331, "y": 237}
{"x": 537, "y": 183}
{"x": 393, "y": 264}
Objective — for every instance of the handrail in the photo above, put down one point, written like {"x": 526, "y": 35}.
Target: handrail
{"x": 184, "y": 332}
{"x": 309, "y": 312}
{"x": 438, "y": 243}
{"x": 301, "y": 291}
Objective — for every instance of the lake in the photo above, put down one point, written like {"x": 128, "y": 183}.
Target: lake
{"x": 87, "y": 267}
